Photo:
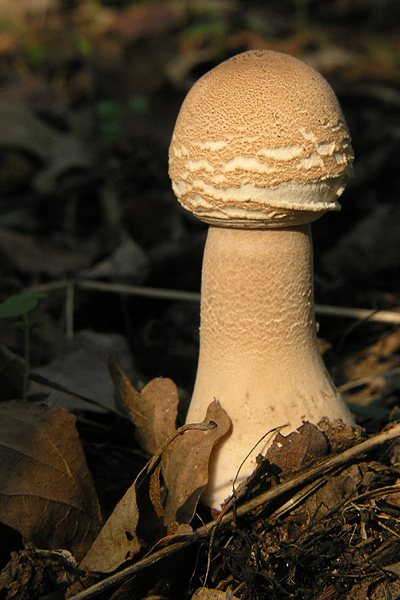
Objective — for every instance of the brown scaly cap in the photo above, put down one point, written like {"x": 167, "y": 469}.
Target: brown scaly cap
{"x": 260, "y": 141}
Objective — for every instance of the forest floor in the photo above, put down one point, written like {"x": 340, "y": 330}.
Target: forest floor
{"x": 109, "y": 266}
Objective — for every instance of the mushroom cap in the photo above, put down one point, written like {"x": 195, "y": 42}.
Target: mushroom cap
{"x": 260, "y": 141}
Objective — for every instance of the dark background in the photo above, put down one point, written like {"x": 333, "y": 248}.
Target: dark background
{"x": 89, "y": 95}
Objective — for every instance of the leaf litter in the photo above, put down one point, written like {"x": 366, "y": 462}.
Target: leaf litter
{"x": 313, "y": 510}
{"x": 256, "y": 553}
{"x": 321, "y": 506}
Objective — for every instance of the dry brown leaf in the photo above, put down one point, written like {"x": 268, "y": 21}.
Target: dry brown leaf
{"x": 299, "y": 448}
{"x": 46, "y": 491}
{"x": 373, "y": 373}
{"x": 185, "y": 466}
{"x": 176, "y": 532}
{"x": 154, "y": 410}
{"x": 122, "y": 537}
{"x": 335, "y": 491}
{"x": 341, "y": 436}
{"x": 185, "y": 461}
{"x": 78, "y": 367}
{"x": 137, "y": 522}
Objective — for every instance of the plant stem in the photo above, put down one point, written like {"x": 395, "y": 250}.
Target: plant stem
{"x": 27, "y": 350}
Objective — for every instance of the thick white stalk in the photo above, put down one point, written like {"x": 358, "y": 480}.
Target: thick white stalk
{"x": 259, "y": 354}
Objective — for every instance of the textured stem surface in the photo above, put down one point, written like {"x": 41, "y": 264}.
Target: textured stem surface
{"x": 259, "y": 354}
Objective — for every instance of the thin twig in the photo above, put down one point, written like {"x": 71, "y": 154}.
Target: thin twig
{"x": 380, "y": 316}
{"x": 52, "y": 385}
{"x": 298, "y": 498}
{"x": 69, "y": 310}
{"x": 361, "y": 314}
{"x": 27, "y": 354}
{"x": 376, "y": 493}
{"x": 383, "y": 375}
{"x": 139, "y": 290}
{"x": 202, "y": 532}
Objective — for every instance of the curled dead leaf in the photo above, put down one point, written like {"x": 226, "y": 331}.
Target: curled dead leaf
{"x": 185, "y": 466}
{"x": 140, "y": 520}
{"x": 185, "y": 461}
{"x": 119, "y": 539}
{"x": 137, "y": 522}
{"x": 153, "y": 410}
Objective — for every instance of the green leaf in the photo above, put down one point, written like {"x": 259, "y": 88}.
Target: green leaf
{"x": 19, "y": 305}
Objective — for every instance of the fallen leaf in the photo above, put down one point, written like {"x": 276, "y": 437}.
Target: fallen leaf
{"x": 185, "y": 460}
{"x": 46, "y": 491}
{"x": 372, "y": 375}
{"x": 185, "y": 466}
{"x": 341, "y": 436}
{"x": 59, "y": 152}
{"x": 337, "y": 489}
{"x": 116, "y": 542}
{"x": 298, "y": 449}
{"x": 153, "y": 410}
{"x": 375, "y": 359}
{"x": 128, "y": 262}
{"x": 137, "y": 520}
{"x": 137, "y": 516}
{"x": 78, "y": 366}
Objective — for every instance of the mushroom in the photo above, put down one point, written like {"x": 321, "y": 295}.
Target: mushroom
{"x": 260, "y": 149}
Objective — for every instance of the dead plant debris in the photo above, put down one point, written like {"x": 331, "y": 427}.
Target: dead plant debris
{"x": 343, "y": 534}
{"x": 314, "y": 515}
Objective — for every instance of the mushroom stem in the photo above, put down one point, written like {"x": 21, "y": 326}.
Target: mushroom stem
{"x": 259, "y": 353}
